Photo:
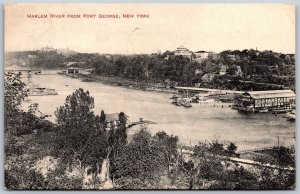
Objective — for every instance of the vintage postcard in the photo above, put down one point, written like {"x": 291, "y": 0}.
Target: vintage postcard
{"x": 149, "y": 96}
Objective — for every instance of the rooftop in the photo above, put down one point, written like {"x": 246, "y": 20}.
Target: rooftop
{"x": 202, "y": 52}
{"x": 271, "y": 94}
{"x": 113, "y": 117}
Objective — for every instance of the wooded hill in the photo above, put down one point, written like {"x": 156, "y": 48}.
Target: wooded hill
{"x": 242, "y": 70}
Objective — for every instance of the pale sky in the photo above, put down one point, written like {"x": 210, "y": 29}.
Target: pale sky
{"x": 210, "y": 27}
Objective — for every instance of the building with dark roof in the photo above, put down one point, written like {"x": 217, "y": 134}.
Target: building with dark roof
{"x": 73, "y": 70}
{"x": 270, "y": 100}
{"x": 113, "y": 120}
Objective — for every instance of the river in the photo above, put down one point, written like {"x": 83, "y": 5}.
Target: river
{"x": 199, "y": 123}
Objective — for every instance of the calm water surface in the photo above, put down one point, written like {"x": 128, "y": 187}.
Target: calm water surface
{"x": 199, "y": 123}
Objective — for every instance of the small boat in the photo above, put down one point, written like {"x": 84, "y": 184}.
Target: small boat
{"x": 291, "y": 116}
{"x": 263, "y": 110}
{"x": 203, "y": 99}
{"x": 87, "y": 80}
{"x": 41, "y": 92}
{"x": 280, "y": 110}
{"x": 206, "y": 101}
{"x": 244, "y": 109}
{"x": 226, "y": 98}
{"x": 175, "y": 96}
{"x": 187, "y": 105}
{"x": 62, "y": 72}
{"x": 177, "y": 103}
{"x": 184, "y": 99}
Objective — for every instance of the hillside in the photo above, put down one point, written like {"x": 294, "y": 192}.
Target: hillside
{"x": 240, "y": 70}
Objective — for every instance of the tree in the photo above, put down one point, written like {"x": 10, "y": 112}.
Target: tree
{"x": 82, "y": 138}
{"x": 103, "y": 119}
{"x": 14, "y": 90}
{"x": 15, "y": 93}
{"x": 21, "y": 175}
{"x": 122, "y": 135}
{"x": 211, "y": 164}
{"x": 270, "y": 178}
{"x": 76, "y": 110}
{"x": 141, "y": 160}
{"x": 118, "y": 136}
{"x": 231, "y": 149}
{"x": 169, "y": 145}
{"x": 283, "y": 156}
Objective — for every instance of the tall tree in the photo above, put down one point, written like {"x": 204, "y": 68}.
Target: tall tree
{"x": 81, "y": 137}
{"x": 141, "y": 162}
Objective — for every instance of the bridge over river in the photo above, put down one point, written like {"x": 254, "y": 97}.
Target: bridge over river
{"x": 211, "y": 91}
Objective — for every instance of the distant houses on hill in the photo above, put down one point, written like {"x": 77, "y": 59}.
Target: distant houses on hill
{"x": 220, "y": 68}
{"x": 198, "y": 56}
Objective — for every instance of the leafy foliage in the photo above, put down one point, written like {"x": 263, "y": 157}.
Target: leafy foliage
{"x": 82, "y": 137}
{"x": 141, "y": 159}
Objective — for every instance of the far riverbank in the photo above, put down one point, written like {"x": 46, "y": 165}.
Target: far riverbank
{"x": 122, "y": 82}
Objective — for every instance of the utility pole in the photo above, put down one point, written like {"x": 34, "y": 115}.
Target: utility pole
{"x": 278, "y": 141}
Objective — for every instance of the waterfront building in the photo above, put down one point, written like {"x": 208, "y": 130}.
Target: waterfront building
{"x": 73, "y": 70}
{"x": 112, "y": 120}
{"x": 270, "y": 100}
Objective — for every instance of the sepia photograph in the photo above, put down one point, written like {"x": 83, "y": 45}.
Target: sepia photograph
{"x": 193, "y": 96}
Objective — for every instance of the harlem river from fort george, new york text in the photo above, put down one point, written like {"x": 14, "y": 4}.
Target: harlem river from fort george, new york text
{"x": 198, "y": 123}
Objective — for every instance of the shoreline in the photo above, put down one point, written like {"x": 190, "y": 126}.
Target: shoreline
{"x": 121, "y": 82}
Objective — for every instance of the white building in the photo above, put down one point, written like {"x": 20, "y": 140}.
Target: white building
{"x": 47, "y": 49}
{"x": 182, "y": 51}
{"x": 31, "y": 56}
{"x": 202, "y": 54}
{"x": 239, "y": 71}
{"x": 223, "y": 70}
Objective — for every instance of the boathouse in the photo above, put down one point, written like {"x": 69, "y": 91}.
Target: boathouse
{"x": 73, "y": 70}
{"x": 113, "y": 120}
{"x": 260, "y": 101}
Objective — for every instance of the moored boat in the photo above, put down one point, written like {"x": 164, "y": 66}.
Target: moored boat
{"x": 280, "y": 110}
{"x": 41, "y": 92}
{"x": 187, "y": 105}
{"x": 263, "y": 110}
{"x": 202, "y": 99}
{"x": 175, "y": 96}
{"x": 291, "y": 115}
